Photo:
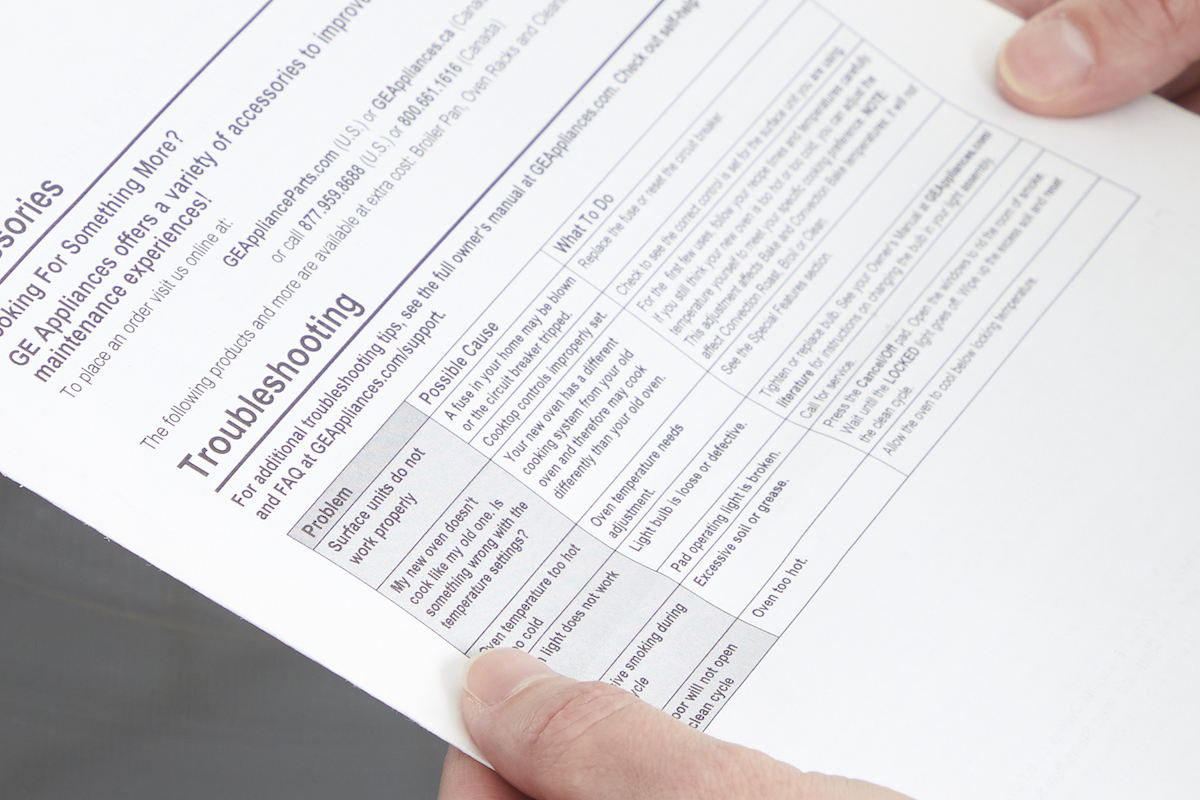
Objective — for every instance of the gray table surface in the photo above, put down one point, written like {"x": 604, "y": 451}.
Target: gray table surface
{"x": 117, "y": 681}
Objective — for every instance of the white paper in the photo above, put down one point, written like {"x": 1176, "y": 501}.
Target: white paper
{"x": 755, "y": 358}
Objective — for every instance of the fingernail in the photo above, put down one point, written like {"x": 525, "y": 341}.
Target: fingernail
{"x": 1046, "y": 58}
{"x": 495, "y": 675}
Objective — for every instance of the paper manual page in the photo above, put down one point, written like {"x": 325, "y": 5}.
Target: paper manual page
{"x": 752, "y": 357}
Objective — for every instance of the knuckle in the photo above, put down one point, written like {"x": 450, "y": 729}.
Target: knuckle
{"x": 1180, "y": 14}
{"x": 1162, "y": 22}
{"x": 576, "y": 712}
{"x": 1129, "y": 32}
{"x": 572, "y": 725}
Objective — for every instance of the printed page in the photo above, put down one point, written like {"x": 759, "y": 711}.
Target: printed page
{"x": 615, "y": 333}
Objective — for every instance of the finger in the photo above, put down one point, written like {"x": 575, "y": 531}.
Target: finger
{"x": 1190, "y": 101}
{"x": 1185, "y": 90}
{"x": 1024, "y": 8}
{"x": 464, "y": 778}
{"x": 554, "y": 738}
{"x": 1081, "y": 56}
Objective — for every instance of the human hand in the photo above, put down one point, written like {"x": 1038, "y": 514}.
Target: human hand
{"x": 550, "y": 737}
{"x": 1077, "y": 57}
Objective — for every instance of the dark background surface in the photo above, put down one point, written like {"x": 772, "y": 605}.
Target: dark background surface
{"x": 117, "y": 681}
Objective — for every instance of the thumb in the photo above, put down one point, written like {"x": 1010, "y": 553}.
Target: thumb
{"x": 1081, "y": 56}
{"x": 554, "y": 738}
